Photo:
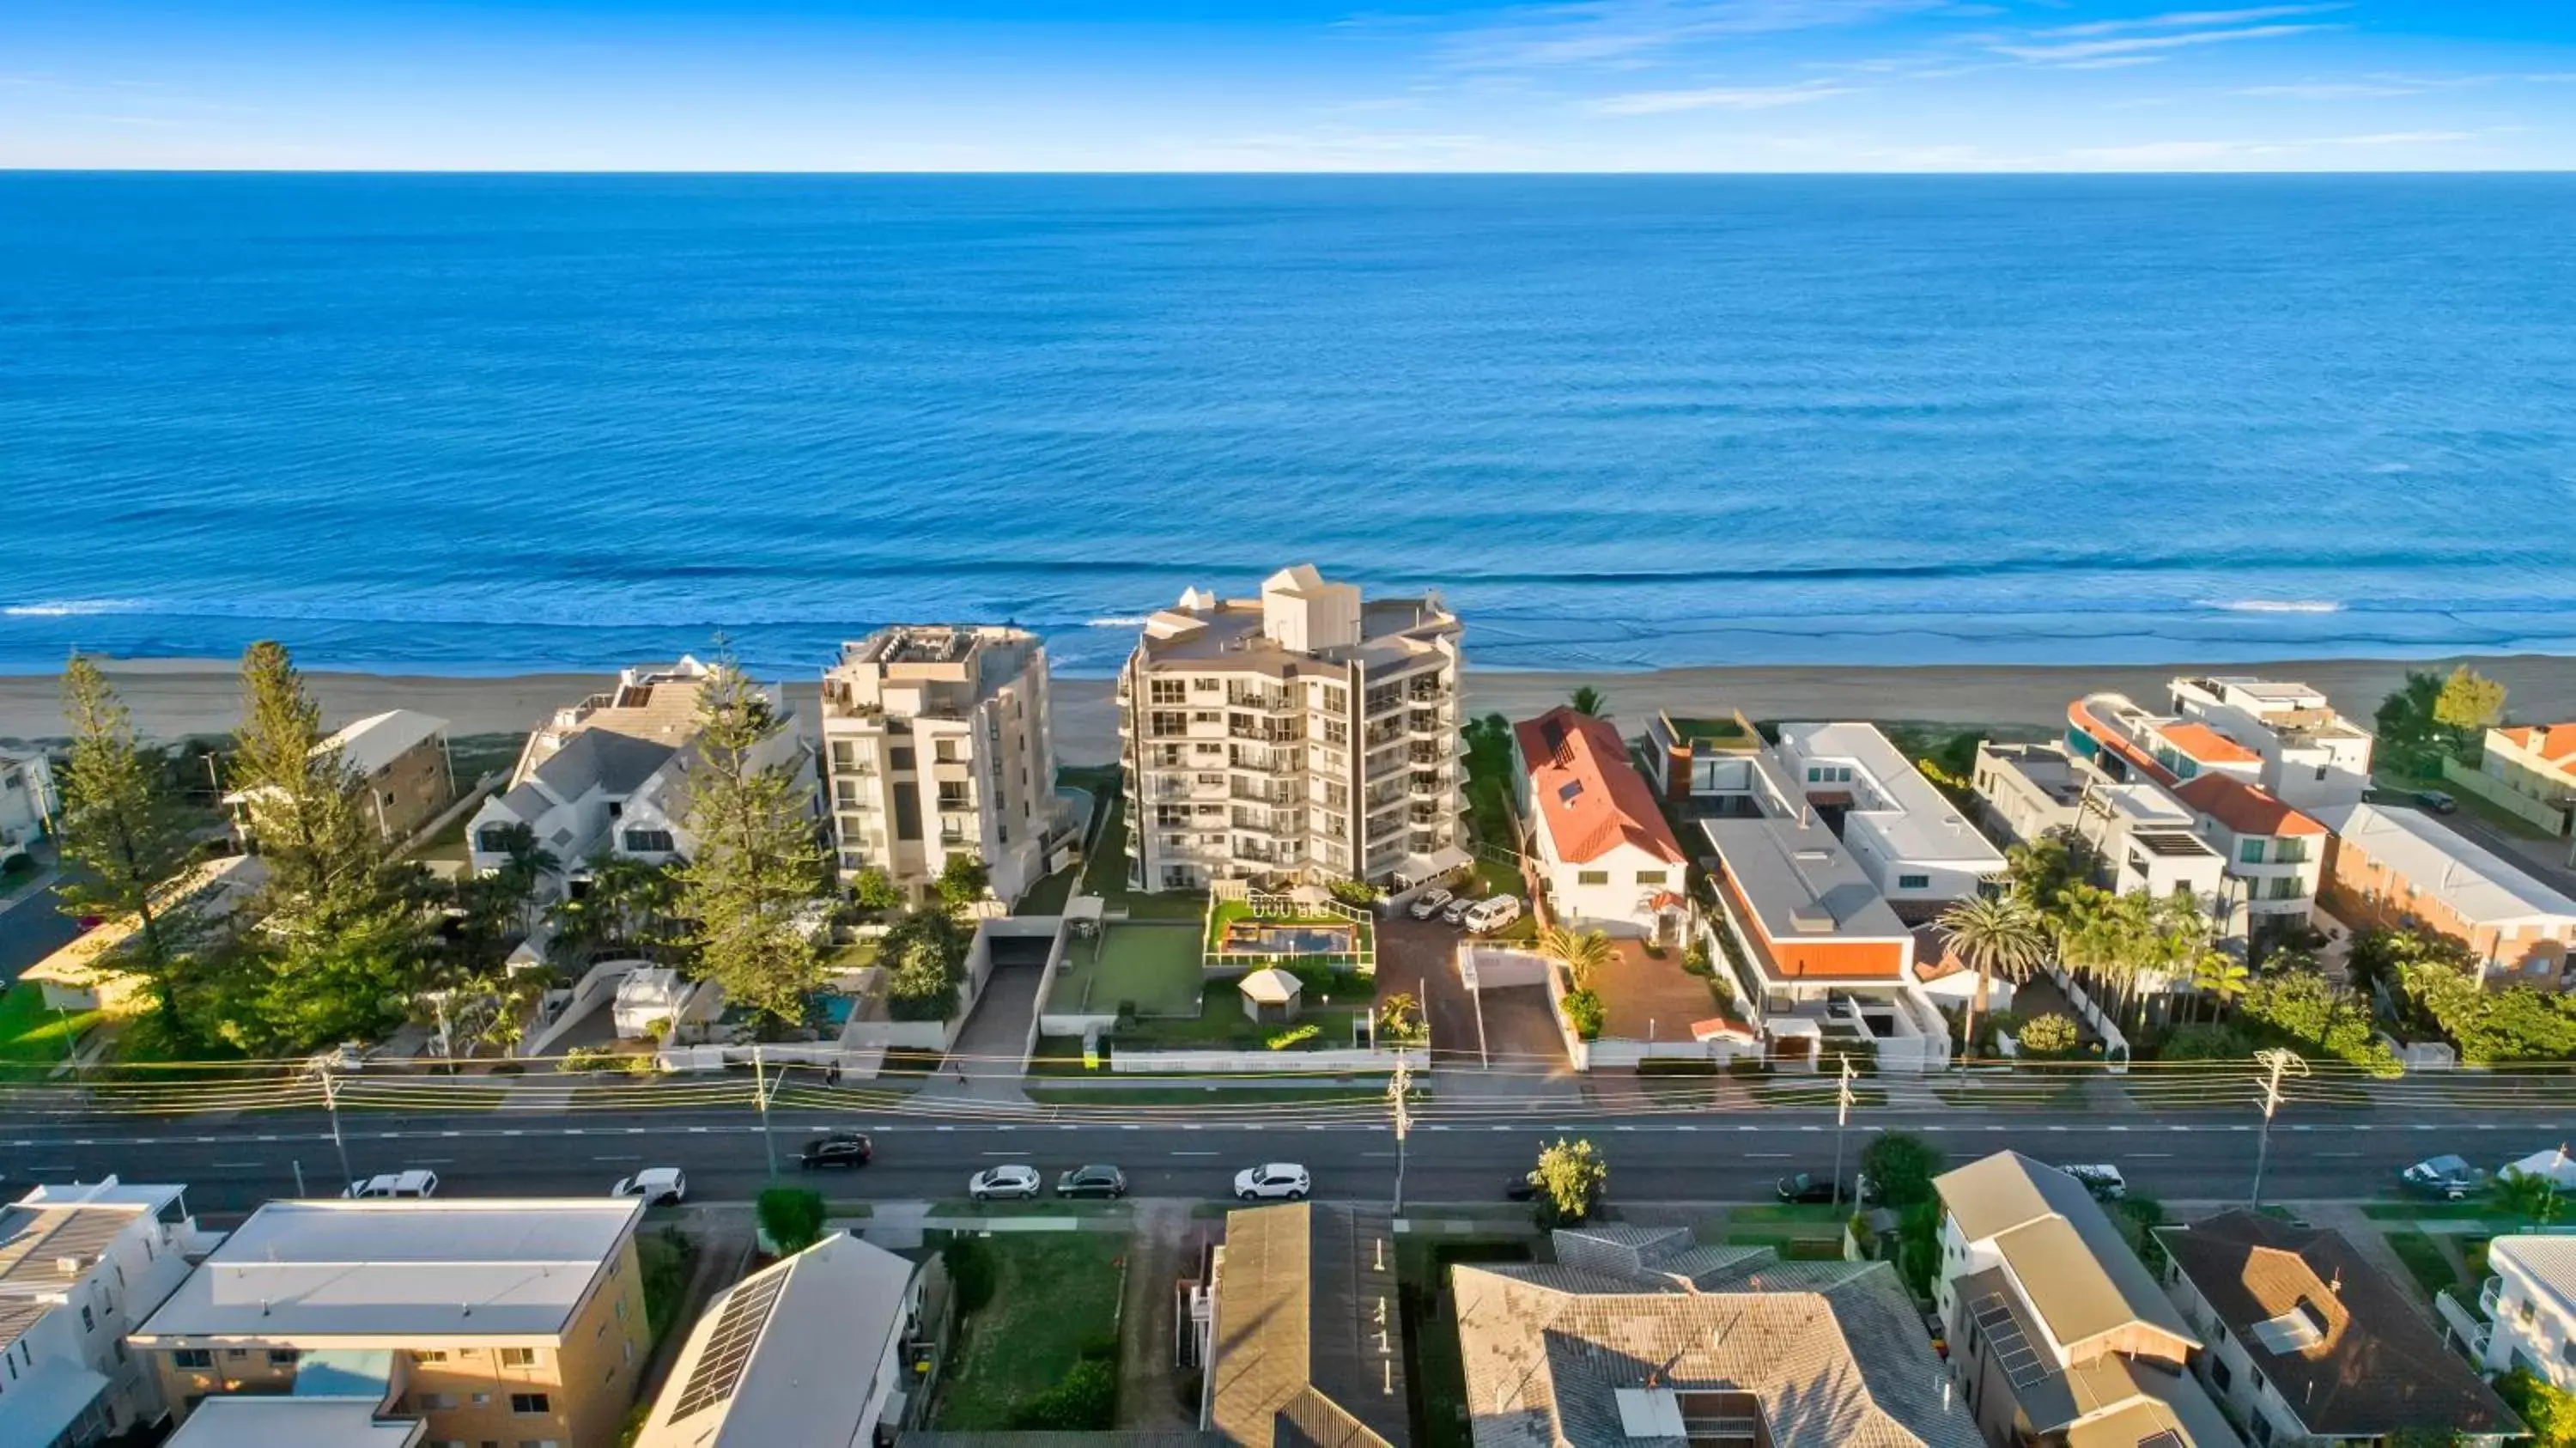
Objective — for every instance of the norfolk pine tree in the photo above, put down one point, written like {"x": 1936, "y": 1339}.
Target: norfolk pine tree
{"x": 756, "y": 858}
{"x": 122, "y": 833}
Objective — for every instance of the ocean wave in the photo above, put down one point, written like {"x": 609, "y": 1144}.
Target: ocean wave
{"x": 70, "y": 608}
{"x": 2278, "y": 605}
{"x": 1115, "y": 621}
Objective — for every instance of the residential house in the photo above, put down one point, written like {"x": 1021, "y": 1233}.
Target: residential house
{"x": 2396, "y": 867}
{"x": 495, "y": 1320}
{"x": 612, "y": 773}
{"x": 80, "y": 1264}
{"x": 2058, "y": 1336}
{"x": 2308, "y": 1343}
{"x": 1606, "y": 858}
{"x": 1692, "y": 758}
{"x": 821, "y": 1349}
{"x": 2530, "y": 1304}
{"x": 399, "y": 759}
{"x": 1637, "y": 1335}
{"x": 2147, "y": 841}
{"x": 2535, "y": 763}
{"x": 1303, "y": 734}
{"x": 2312, "y": 757}
{"x": 936, "y": 743}
{"x": 85, "y": 974}
{"x": 28, "y": 800}
{"x": 1299, "y": 1333}
{"x": 1917, "y": 847}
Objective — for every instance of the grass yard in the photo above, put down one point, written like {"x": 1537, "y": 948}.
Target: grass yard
{"x": 1436, "y": 1379}
{"x": 1221, "y": 1024}
{"x": 32, "y": 1035}
{"x": 1156, "y": 966}
{"x": 664, "y": 1259}
{"x": 2425, "y": 1261}
{"x": 1054, "y": 1295}
{"x": 1042, "y": 1207}
{"x": 1047, "y": 896}
{"x": 1105, "y": 873}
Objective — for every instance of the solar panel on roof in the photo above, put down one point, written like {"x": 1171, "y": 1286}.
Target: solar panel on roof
{"x": 2012, "y": 1351}
{"x": 720, "y": 1368}
{"x": 1568, "y": 790}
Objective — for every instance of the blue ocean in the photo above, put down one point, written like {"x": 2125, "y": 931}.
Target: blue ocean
{"x": 492, "y": 423}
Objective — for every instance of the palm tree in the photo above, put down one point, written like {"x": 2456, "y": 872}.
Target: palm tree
{"x": 1995, "y": 935}
{"x": 2221, "y": 977}
{"x": 1589, "y": 701}
{"x": 2530, "y": 1194}
{"x": 1583, "y": 953}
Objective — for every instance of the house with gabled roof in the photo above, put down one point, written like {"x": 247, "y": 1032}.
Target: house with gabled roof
{"x": 2534, "y": 765}
{"x": 1606, "y": 858}
{"x": 1301, "y": 1340}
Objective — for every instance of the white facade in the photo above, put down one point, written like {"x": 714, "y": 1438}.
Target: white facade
{"x": 937, "y": 742}
{"x": 28, "y": 802}
{"x": 1912, "y": 841}
{"x": 80, "y": 1266}
{"x": 1303, "y": 733}
{"x": 1606, "y": 858}
{"x": 2148, "y": 841}
{"x": 2530, "y": 1304}
{"x": 2312, "y": 756}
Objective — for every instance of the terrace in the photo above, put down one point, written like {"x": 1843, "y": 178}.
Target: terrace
{"x": 1155, "y": 966}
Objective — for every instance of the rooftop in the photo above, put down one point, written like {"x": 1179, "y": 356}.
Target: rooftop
{"x": 2069, "y": 1260}
{"x": 2555, "y": 743}
{"x": 1296, "y": 1357}
{"x": 2341, "y": 1344}
{"x": 1917, "y": 821}
{"x": 368, "y": 745}
{"x": 252, "y": 1420}
{"x": 656, "y": 703}
{"x": 407, "y": 1271}
{"x": 2548, "y": 1261}
{"x": 2206, "y": 745}
{"x": 2470, "y": 878}
{"x": 1592, "y": 799}
{"x": 1386, "y": 633}
{"x": 953, "y": 666}
{"x": 1796, "y": 877}
{"x": 2243, "y": 808}
{"x": 770, "y": 1360}
{"x": 55, "y": 1225}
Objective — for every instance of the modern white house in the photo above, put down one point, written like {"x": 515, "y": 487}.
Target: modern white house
{"x": 825, "y": 1349}
{"x": 612, "y": 773}
{"x": 659, "y": 995}
{"x": 2149, "y": 842}
{"x": 1307, "y": 734}
{"x": 2311, "y": 757}
{"x": 82, "y": 1263}
{"x": 936, "y": 743}
{"x": 28, "y": 800}
{"x": 1605, "y": 855}
{"x": 1919, "y": 849}
{"x": 2530, "y": 1306}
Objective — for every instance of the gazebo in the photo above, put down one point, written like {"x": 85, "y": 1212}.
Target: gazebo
{"x": 1270, "y": 996}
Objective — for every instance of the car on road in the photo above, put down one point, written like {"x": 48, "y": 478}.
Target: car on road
{"x": 1491, "y": 915}
{"x": 414, "y": 1183}
{"x": 1092, "y": 1181}
{"x": 1805, "y": 1187}
{"x": 1519, "y": 1188}
{"x": 1457, "y": 908}
{"x": 837, "y": 1148}
{"x": 2448, "y": 1177}
{"x": 2102, "y": 1179}
{"x": 1008, "y": 1182}
{"x": 2437, "y": 801}
{"x": 657, "y": 1185}
{"x": 1429, "y": 903}
{"x": 1275, "y": 1179}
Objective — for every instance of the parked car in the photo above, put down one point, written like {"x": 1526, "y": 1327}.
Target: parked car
{"x": 657, "y": 1185}
{"x": 414, "y": 1183}
{"x": 841, "y": 1147}
{"x": 1805, "y": 1187}
{"x": 1012, "y": 1182}
{"x": 2102, "y": 1179}
{"x": 1491, "y": 915}
{"x": 2437, "y": 801}
{"x": 1092, "y": 1181}
{"x": 1277, "y": 1179}
{"x": 1457, "y": 908}
{"x": 1519, "y": 1188}
{"x": 1429, "y": 903}
{"x": 2448, "y": 1177}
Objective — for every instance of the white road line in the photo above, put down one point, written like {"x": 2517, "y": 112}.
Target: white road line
{"x": 2149, "y": 1155}
{"x": 232, "y": 1165}
{"x": 1189, "y": 1153}
{"x": 1767, "y": 1156}
{"x": 1009, "y": 1153}
{"x": 629, "y": 1157}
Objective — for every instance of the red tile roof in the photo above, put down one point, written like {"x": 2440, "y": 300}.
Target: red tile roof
{"x": 1592, "y": 798}
{"x": 2208, "y": 745}
{"x": 2244, "y": 808}
{"x": 2553, "y": 742}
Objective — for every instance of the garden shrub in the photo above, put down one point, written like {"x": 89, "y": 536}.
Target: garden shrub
{"x": 1584, "y": 1011}
{"x": 2048, "y": 1036}
{"x": 1085, "y": 1401}
{"x": 1295, "y": 1036}
{"x": 792, "y": 1218}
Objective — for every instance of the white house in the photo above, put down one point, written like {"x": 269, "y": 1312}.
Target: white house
{"x": 28, "y": 802}
{"x": 2311, "y": 756}
{"x": 2530, "y": 1303}
{"x": 80, "y": 1265}
{"x": 1918, "y": 848}
{"x": 2148, "y": 841}
{"x": 658, "y": 993}
{"x": 1607, "y": 858}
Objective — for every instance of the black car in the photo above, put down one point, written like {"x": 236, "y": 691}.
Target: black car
{"x": 837, "y": 1148}
{"x": 1092, "y": 1181}
{"x": 1519, "y": 1189}
{"x": 1806, "y": 1188}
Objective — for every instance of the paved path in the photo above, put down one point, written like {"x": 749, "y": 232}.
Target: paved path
{"x": 1149, "y": 1394}
{"x": 985, "y": 1064}
{"x": 31, "y": 928}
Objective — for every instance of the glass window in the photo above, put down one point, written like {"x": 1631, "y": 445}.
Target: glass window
{"x": 1913, "y": 882}
{"x": 1592, "y": 877}
{"x": 192, "y": 1357}
{"x": 1651, "y": 877}
{"x": 2250, "y": 851}
{"x": 530, "y": 1403}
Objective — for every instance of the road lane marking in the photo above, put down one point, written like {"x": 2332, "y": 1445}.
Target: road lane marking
{"x": 631, "y": 1156}
{"x": 1189, "y": 1153}
{"x": 233, "y": 1165}
{"x": 1010, "y": 1153}
{"x": 1767, "y": 1156}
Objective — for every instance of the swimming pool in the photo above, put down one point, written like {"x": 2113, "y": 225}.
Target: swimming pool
{"x": 1256, "y": 937}
{"x": 833, "y": 1007}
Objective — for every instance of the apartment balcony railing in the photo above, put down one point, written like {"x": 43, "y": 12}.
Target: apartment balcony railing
{"x": 2489, "y": 1295}
{"x": 1430, "y": 722}
{"x": 1430, "y": 753}
{"x": 1380, "y": 796}
{"x": 1256, "y": 794}
{"x": 1262, "y": 824}
{"x": 1267, "y": 701}
{"x": 1431, "y": 690}
{"x": 1380, "y": 701}
{"x": 1427, "y": 783}
{"x": 1382, "y": 733}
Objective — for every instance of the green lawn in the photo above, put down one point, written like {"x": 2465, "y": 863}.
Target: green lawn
{"x": 1105, "y": 873}
{"x": 31, "y": 1034}
{"x": 1155, "y": 966}
{"x": 1054, "y": 1293}
{"x": 1047, "y": 896}
{"x": 2425, "y": 1261}
{"x": 1221, "y": 1024}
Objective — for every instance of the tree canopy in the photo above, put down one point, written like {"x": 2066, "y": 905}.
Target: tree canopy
{"x": 123, "y": 833}
{"x": 1570, "y": 1179}
{"x": 756, "y": 858}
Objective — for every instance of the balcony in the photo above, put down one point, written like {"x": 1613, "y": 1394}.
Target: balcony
{"x": 2489, "y": 1295}
{"x": 1431, "y": 754}
{"x": 1382, "y": 733}
{"x": 1266, "y": 701}
{"x": 1427, "y": 784}
{"x": 1429, "y": 723}
{"x": 1382, "y": 701}
{"x": 1250, "y": 793}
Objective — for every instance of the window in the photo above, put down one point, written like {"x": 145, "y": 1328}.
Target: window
{"x": 518, "y": 1357}
{"x": 1651, "y": 877}
{"x": 648, "y": 842}
{"x": 2262, "y": 1430}
{"x": 493, "y": 839}
{"x": 1815, "y": 774}
{"x": 1169, "y": 691}
{"x": 283, "y": 1357}
{"x": 944, "y": 751}
{"x": 1913, "y": 882}
{"x": 435, "y": 1355}
{"x": 2218, "y": 1373}
{"x": 1592, "y": 877}
{"x": 2250, "y": 851}
{"x": 192, "y": 1357}
{"x": 530, "y": 1403}
{"x": 845, "y": 755}
{"x": 901, "y": 758}
{"x": 89, "y": 1323}
{"x": 437, "y": 1402}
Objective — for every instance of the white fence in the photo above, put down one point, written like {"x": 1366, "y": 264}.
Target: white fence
{"x": 596, "y": 988}
{"x": 717, "y": 1058}
{"x": 2115, "y": 1042}
{"x": 1266, "y": 1062}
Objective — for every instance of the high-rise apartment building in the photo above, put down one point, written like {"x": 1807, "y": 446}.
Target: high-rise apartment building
{"x": 1302, "y": 734}
{"x": 936, "y": 743}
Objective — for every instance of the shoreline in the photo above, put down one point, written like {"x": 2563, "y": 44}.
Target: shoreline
{"x": 171, "y": 698}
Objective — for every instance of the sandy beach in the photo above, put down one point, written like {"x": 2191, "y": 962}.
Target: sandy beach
{"x": 175, "y": 697}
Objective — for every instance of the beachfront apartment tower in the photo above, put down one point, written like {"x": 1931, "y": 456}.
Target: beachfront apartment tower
{"x": 1304, "y": 733}
{"x": 2312, "y": 757}
{"x": 936, "y": 743}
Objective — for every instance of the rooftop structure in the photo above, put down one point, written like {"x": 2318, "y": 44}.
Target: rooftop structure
{"x": 305, "y": 1422}
{"x": 2273, "y": 851}
{"x": 84, "y": 975}
{"x": 1801, "y": 911}
{"x": 399, "y": 757}
{"x": 2316, "y": 1342}
{"x": 1608, "y": 857}
{"x": 1687, "y": 756}
{"x": 2145, "y": 836}
{"x": 80, "y": 1263}
{"x": 2530, "y": 1305}
{"x": 1918, "y": 848}
{"x": 2308, "y": 754}
{"x": 2391, "y": 866}
{"x": 2533, "y": 767}
{"x": 1298, "y": 1349}
{"x": 1306, "y": 733}
{"x": 1638, "y": 1336}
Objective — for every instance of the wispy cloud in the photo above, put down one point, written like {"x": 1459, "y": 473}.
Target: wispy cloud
{"x": 1719, "y": 98}
{"x": 2073, "y": 51}
{"x": 2347, "y": 90}
{"x": 2206, "y": 152}
{"x": 1628, "y": 32}
{"x": 2189, "y": 20}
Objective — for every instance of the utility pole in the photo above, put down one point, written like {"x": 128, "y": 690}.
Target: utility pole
{"x": 1396, "y": 1091}
{"x": 1842, "y": 1118}
{"x": 760, "y": 1088}
{"x": 2278, "y": 1063}
{"x": 331, "y": 1103}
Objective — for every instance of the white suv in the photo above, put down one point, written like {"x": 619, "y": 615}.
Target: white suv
{"x": 657, "y": 1185}
{"x": 1487, "y": 916}
{"x": 1013, "y": 1180}
{"x": 413, "y": 1183}
{"x": 1277, "y": 1179}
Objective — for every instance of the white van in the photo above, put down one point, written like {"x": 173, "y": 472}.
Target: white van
{"x": 413, "y": 1183}
{"x": 1487, "y": 916}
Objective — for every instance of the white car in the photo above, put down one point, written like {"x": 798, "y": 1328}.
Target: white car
{"x": 657, "y": 1185}
{"x": 413, "y": 1183}
{"x": 1457, "y": 908}
{"x": 1005, "y": 1182}
{"x": 1428, "y": 903}
{"x": 1277, "y": 1179}
{"x": 1487, "y": 916}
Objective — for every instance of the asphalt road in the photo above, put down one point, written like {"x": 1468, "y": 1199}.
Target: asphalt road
{"x": 2204, "y": 1157}
{"x": 30, "y": 930}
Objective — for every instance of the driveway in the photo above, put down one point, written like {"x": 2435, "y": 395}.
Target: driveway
{"x": 31, "y": 928}
{"x": 1419, "y": 958}
{"x": 996, "y": 1039}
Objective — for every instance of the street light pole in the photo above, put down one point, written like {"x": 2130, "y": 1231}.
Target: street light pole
{"x": 1842, "y": 1118}
{"x": 331, "y": 1103}
{"x": 2278, "y": 1063}
{"x": 1396, "y": 1091}
{"x": 760, "y": 1088}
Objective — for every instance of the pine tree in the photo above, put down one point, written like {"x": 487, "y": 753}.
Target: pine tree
{"x": 123, "y": 834}
{"x": 305, "y": 814}
{"x": 755, "y": 859}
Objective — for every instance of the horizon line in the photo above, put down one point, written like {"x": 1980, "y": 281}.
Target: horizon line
{"x": 1317, "y": 172}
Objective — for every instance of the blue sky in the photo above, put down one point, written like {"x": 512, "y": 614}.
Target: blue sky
{"x": 1590, "y": 85}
